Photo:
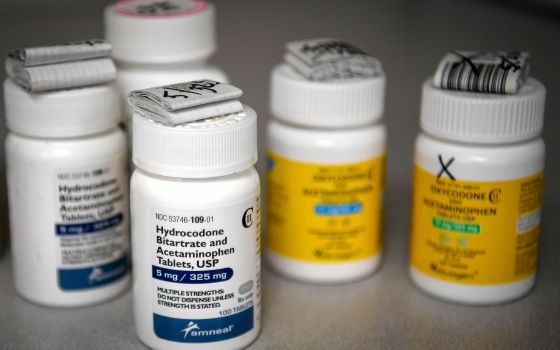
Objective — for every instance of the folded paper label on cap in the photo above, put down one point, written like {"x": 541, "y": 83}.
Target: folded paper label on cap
{"x": 186, "y": 102}
{"x": 61, "y": 75}
{"x": 330, "y": 59}
{"x": 74, "y": 51}
{"x": 61, "y": 66}
{"x": 496, "y": 72}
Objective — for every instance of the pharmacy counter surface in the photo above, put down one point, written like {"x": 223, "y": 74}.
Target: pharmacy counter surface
{"x": 384, "y": 311}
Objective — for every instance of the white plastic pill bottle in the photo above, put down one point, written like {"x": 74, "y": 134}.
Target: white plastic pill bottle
{"x": 478, "y": 185}
{"x": 325, "y": 177}
{"x": 67, "y": 194}
{"x": 161, "y": 42}
{"x": 196, "y": 232}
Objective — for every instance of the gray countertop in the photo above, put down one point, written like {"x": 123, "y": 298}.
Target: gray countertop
{"x": 384, "y": 311}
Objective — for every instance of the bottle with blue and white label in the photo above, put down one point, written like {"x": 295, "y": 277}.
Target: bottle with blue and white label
{"x": 67, "y": 193}
{"x": 195, "y": 217}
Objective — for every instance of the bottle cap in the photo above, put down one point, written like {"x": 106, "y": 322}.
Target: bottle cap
{"x": 161, "y": 32}
{"x": 210, "y": 147}
{"x": 331, "y": 103}
{"x": 327, "y": 82}
{"x": 62, "y": 113}
{"x": 483, "y": 117}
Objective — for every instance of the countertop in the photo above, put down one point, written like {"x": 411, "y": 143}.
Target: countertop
{"x": 384, "y": 311}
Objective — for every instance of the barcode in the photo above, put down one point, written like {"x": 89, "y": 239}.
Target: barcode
{"x": 496, "y": 73}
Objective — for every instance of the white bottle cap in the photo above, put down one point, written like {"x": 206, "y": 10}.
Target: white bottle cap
{"x": 62, "y": 113}
{"x": 161, "y": 32}
{"x": 330, "y": 104}
{"x": 210, "y": 147}
{"x": 481, "y": 117}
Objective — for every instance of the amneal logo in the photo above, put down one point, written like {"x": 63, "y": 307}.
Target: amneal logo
{"x": 191, "y": 326}
{"x": 98, "y": 275}
{"x": 95, "y": 274}
{"x": 193, "y": 330}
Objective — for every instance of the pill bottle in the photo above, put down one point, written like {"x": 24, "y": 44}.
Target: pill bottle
{"x": 196, "y": 232}
{"x": 325, "y": 177}
{"x": 158, "y": 43}
{"x": 478, "y": 185}
{"x": 67, "y": 194}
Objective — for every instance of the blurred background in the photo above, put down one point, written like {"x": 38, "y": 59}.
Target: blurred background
{"x": 409, "y": 37}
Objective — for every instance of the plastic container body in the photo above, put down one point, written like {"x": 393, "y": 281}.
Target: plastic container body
{"x": 68, "y": 217}
{"x": 344, "y": 223}
{"x": 476, "y": 212}
{"x": 227, "y": 284}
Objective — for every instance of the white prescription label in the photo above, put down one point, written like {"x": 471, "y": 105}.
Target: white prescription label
{"x": 61, "y": 66}
{"x": 205, "y": 272}
{"x": 330, "y": 59}
{"x": 90, "y": 225}
{"x": 186, "y": 102}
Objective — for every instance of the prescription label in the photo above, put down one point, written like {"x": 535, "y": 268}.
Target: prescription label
{"x": 91, "y": 225}
{"x": 206, "y": 272}
{"x": 475, "y": 232}
{"x": 324, "y": 213}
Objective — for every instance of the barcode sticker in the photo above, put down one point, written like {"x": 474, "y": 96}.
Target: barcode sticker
{"x": 330, "y": 59}
{"x": 186, "y": 102}
{"x": 496, "y": 72}
{"x": 61, "y": 66}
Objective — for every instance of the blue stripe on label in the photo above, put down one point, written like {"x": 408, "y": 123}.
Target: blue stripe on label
{"x": 88, "y": 227}
{"x": 191, "y": 277}
{"x": 90, "y": 277}
{"x": 339, "y": 209}
{"x": 203, "y": 331}
{"x": 270, "y": 163}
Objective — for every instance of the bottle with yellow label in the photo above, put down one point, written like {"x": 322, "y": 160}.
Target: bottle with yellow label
{"x": 478, "y": 185}
{"x": 325, "y": 171}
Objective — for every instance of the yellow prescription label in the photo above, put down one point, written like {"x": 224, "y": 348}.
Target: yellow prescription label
{"x": 324, "y": 213}
{"x": 475, "y": 232}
